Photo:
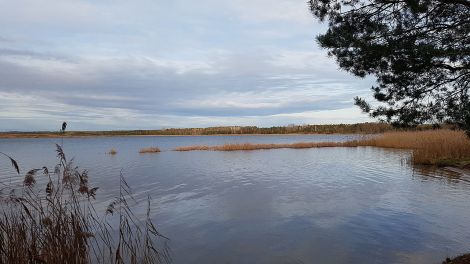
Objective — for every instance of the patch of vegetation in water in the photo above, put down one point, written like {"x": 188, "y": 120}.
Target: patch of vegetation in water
{"x": 458, "y": 163}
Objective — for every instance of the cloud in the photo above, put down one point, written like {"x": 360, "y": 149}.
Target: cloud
{"x": 148, "y": 86}
{"x": 266, "y": 11}
{"x": 127, "y": 65}
{"x": 50, "y": 11}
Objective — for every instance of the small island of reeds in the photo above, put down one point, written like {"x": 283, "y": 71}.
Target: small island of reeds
{"x": 149, "y": 150}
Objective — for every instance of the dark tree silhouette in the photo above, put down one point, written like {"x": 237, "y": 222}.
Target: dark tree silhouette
{"x": 418, "y": 50}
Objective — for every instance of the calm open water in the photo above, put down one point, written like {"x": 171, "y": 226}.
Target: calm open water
{"x": 329, "y": 205}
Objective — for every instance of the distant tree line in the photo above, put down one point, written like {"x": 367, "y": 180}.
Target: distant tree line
{"x": 291, "y": 129}
{"x": 360, "y": 128}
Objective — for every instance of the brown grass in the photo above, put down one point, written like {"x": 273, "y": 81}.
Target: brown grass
{"x": 440, "y": 147}
{"x": 149, "y": 150}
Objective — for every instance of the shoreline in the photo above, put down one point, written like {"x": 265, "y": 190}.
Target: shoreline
{"x": 326, "y": 129}
{"x": 26, "y": 135}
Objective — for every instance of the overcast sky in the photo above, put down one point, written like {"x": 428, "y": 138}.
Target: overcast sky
{"x": 143, "y": 64}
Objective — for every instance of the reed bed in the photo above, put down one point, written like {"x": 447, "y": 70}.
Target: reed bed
{"x": 192, "y": 148}
{"x": 250, "y": 146}
{"x": 432, "y": 147}
{"x": 438, "y": 147}
{"x": 51, "y": 219}
{"x": 149, "y": 150}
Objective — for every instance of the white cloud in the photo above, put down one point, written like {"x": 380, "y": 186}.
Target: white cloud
{"x": 269, "y": 11}
{"x": 121, "y": 64}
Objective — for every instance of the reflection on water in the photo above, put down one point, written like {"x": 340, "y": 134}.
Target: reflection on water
{"x": 331, "y": 205}
{"x": 449, "y": 175}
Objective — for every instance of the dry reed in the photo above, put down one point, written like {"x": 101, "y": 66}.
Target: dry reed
{"x": 112, "y": 151}
{"x": 149, "y": 150}
{"x": 440, "y": 147}
{"x": 191, "y": 148}
{"x": 51, "y": 219}
{"x": 250, "y": 146}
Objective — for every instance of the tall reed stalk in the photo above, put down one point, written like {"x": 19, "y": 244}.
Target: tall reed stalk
{"x": 56, "y": 222}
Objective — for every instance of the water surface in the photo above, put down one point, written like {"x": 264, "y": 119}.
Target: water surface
{"x": 328, "y": 205}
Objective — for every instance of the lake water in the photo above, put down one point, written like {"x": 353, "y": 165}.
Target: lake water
{"x": 329, "y": 205}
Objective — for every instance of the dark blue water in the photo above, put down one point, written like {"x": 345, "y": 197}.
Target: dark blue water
{"x": 329, "y": 205}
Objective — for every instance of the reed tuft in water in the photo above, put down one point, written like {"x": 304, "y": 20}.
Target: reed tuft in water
{"x": 149, "y": 150}
{"x": 112, "y": 151}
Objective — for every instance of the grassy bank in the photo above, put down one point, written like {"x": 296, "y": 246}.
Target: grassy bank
{"x": 432, "y": 147}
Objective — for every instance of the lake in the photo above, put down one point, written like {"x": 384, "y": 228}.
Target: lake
{"x": 328, "y": 205}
